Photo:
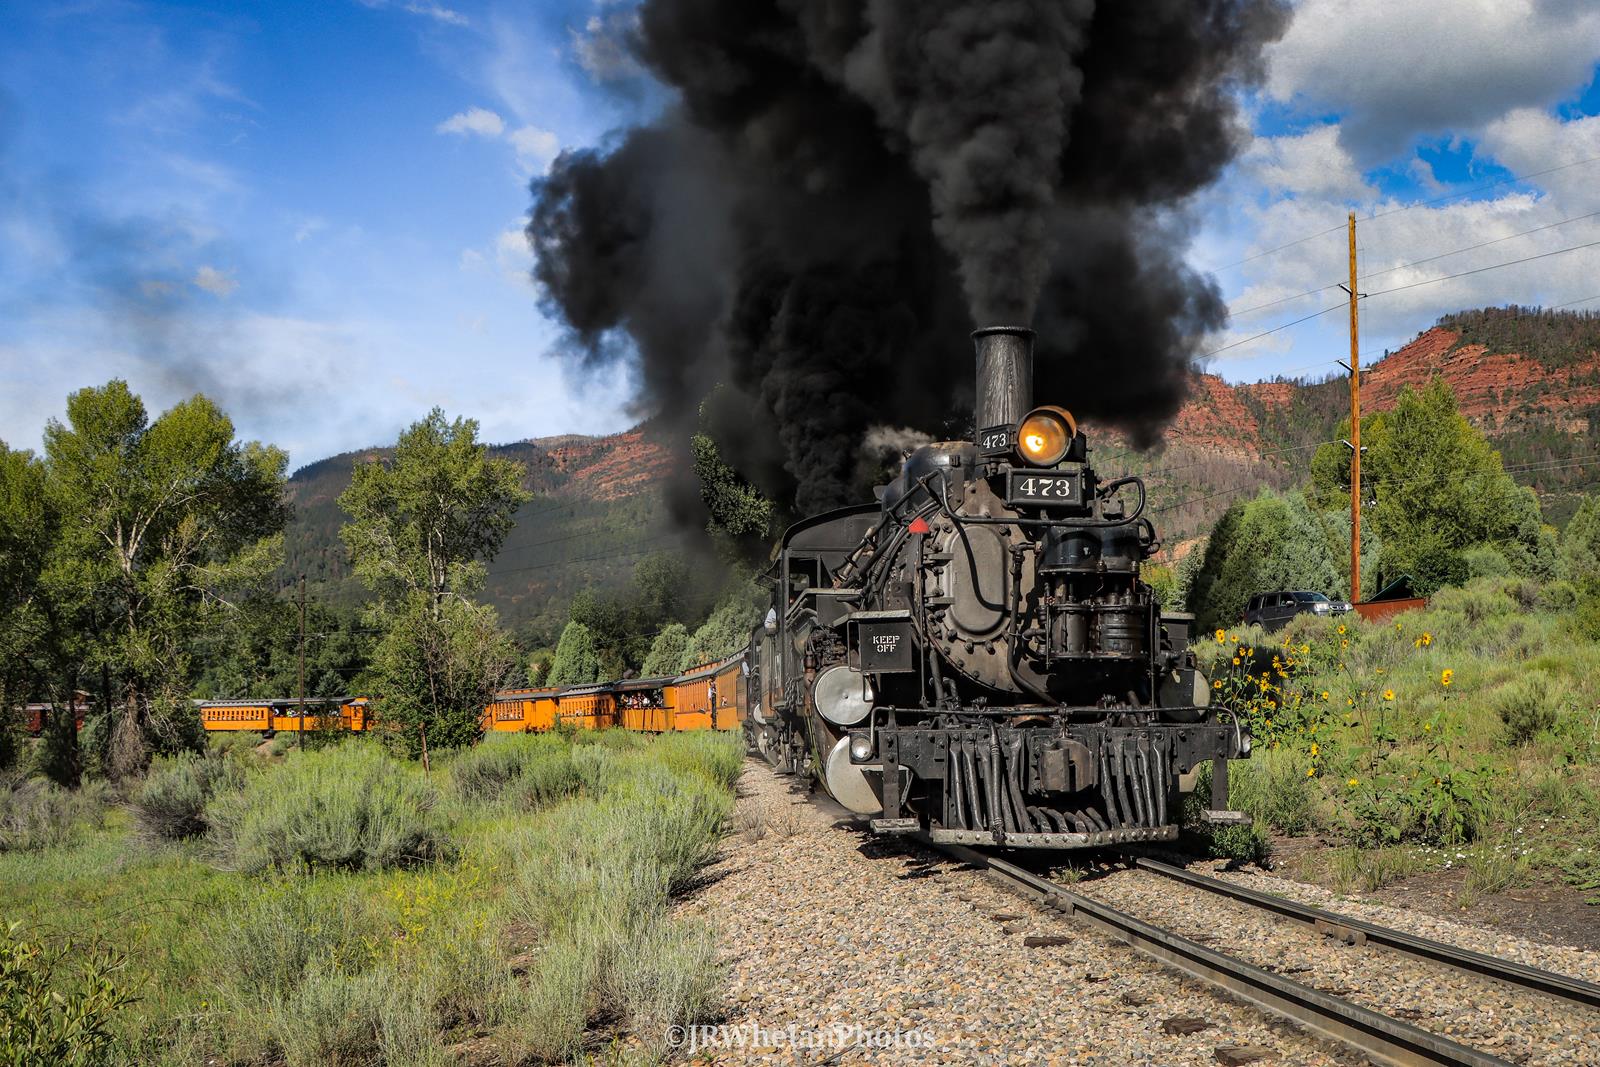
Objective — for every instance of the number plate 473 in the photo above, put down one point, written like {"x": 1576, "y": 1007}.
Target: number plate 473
{"x": 1025, "y": 487}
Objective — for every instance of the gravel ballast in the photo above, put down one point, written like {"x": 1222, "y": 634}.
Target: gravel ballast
{"x": 857, "y": 944}
{"x": 1512, "y": 1023}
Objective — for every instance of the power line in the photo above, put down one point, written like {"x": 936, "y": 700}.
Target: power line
{"x": 1492, "y": 266}
{"x": 1265, "y": 333}
{"x": 1415, "y": 263}
{"x": 1401, "y": 288}
{"x": 1410, "y": 207}
{"x": 1263, "y": 455}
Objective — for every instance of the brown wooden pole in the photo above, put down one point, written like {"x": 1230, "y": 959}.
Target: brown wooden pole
{"x": 1355, "y": 427}
{"x": 302, "y": 684}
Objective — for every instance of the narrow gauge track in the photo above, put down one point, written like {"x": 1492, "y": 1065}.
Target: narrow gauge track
{"x": 1359, "y": 931}
{"x": 1383, "y": 1038}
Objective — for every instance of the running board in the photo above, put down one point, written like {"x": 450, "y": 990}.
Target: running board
{"x": 1068, "y": 840}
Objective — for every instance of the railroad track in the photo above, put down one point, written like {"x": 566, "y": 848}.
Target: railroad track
{"x": 1383, "y": 1038}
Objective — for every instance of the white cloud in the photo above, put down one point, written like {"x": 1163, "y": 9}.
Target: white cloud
{"x": 214, "y": 281}
{"x": 1307, "y": 164}
{"x": 1394, "y": 71}
{"x": 1278, "y": 197}
{"x": 513, "y": 256}
{"x": 475, "y": 120}
{"x": 308, "y": 228}
{"x": 426, "y": 8}
{"x": 536, "y": 148}
{"x": 438, "y": 13}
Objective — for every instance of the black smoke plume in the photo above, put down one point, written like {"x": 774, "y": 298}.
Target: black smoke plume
{"x": 842, "y": 189}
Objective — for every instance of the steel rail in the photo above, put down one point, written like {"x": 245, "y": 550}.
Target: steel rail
{"x": 1343, "y": 926}
{"x": 1384, "y": 1039}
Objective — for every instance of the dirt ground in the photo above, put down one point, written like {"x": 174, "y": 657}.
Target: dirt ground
{"x": 1544, "y": 910}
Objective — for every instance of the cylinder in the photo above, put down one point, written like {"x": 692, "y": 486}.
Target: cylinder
{"x": 1005, "y": 375}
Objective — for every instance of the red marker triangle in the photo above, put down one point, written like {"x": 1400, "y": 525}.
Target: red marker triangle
{"x": 919, "y": 525}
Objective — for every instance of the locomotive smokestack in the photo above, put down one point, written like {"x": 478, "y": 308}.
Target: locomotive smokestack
{"x": 1005, "y": 374}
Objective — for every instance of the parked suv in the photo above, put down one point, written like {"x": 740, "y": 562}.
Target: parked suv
{"x": 1273, "y": 610}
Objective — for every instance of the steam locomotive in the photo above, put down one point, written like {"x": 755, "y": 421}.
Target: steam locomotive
{"x": 975, "y": 656}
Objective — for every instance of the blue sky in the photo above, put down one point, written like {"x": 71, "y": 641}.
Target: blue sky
{"x": 312, "y": 211}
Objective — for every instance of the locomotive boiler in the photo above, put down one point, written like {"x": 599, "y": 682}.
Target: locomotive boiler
{"x": 975, "y": 655}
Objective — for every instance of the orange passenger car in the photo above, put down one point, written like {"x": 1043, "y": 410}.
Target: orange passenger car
{"x": 646, "y": 704}
{"x": 587, "y": 707}
{"x": 521, "y": 711}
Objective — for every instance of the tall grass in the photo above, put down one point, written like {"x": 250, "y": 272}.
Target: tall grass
{"x": 347, "y": 807}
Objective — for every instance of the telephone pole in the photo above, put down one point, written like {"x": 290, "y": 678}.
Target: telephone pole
{"x": 1355, "y": 427}
{"x": 302, "y": 684}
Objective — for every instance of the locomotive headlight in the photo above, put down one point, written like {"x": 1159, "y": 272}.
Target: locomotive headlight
{"x": 1045, "y": 435}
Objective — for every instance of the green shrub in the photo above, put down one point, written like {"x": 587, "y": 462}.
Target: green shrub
{"x": 1559, "y": 595}
{"x": 595, "y": 879}
{"x": 672, "y": 974}
{"x": 1370, "y": 869}
{"x": 1484, "y": 561}
{"x": 560, "y": 999}
{"x": 1272, "y": 786}
{"x": 1478, "y": 600}
{"x": 170, "y": 804}
{"x": 350, "y": 807}
{"x": 234, "y": 741}
{"x": 36, "y": 813}
{"x": 718, "y": 757}
{"x": 533, "y": 770}
{"x": 56, "y": 1011}
{"x": 1528, "y": 706}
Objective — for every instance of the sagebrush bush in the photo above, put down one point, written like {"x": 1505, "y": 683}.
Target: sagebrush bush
{"x": 595, "y": 881}
{"x": 170, "y": 804}
{"x": 333, "y": 1017}
{"x": 274, "y": 933}
{"x": 1480, "y": 599}
{"x": 36, "y": 813}
{"x": 232, "y": 741}
{"x": 1529, "y": 706}
{"x": 531, "y": 770}
{"x": 348, "y": 807}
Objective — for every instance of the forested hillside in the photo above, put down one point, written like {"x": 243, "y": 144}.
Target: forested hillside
{"x": 597, "y": 509}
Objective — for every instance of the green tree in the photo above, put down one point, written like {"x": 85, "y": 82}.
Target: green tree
{"x": 660, "y": 582}
{"x": 164, "y": 525}
{"x": 1269, "y": 543}
{"x": 422, "y": 525}
{"x": 576, "y": 661}
{"x": 740, "y": 517}
{"x": 1439, "y": 489}
{"x": 27, "y": 528}
{"x": 666, "y": 652}
{"x": 726, "y": 631}
{"x": 538, "y": 668}
{"x": 1580, "y": 546}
